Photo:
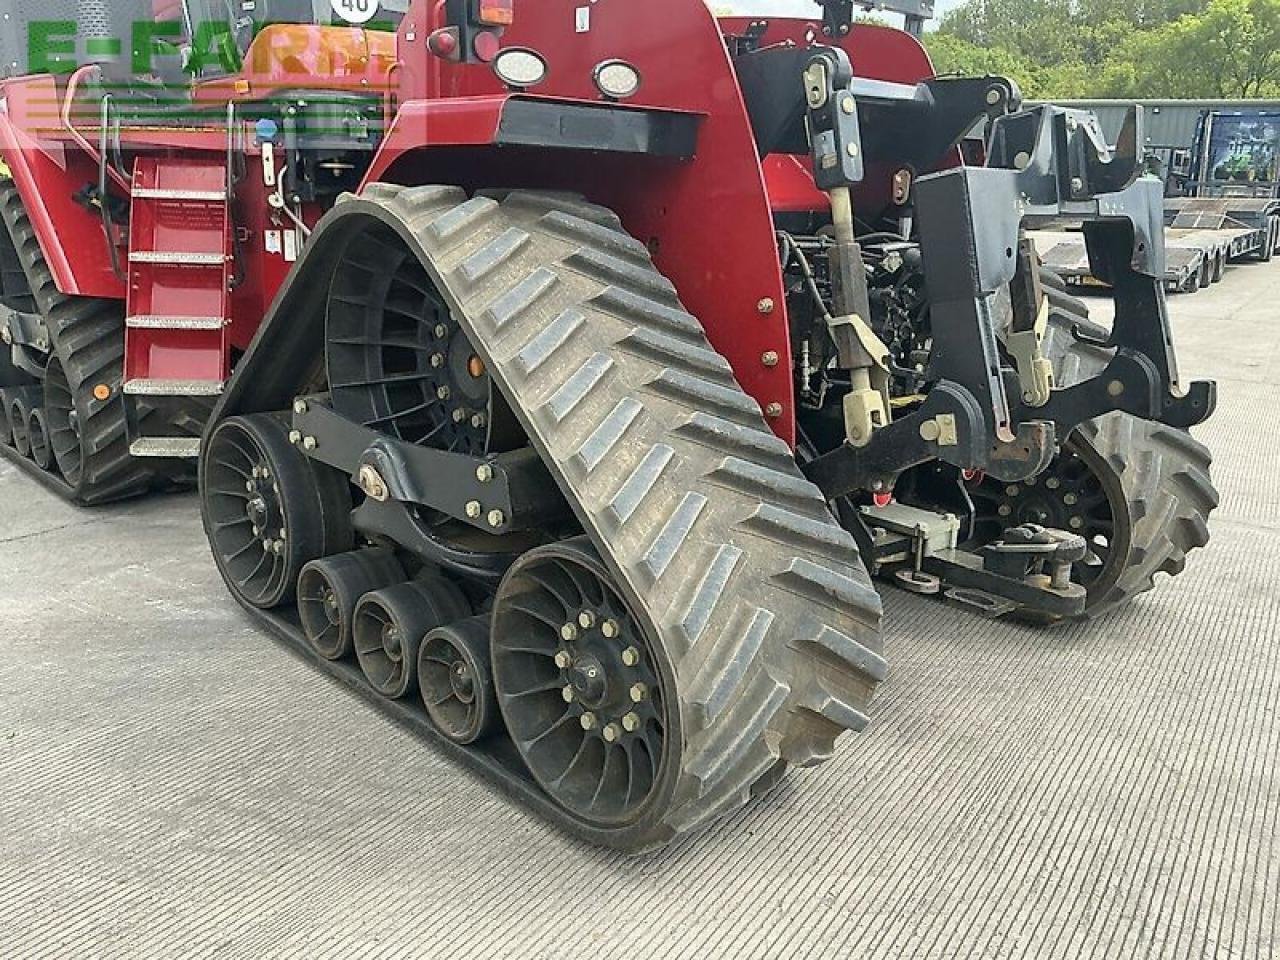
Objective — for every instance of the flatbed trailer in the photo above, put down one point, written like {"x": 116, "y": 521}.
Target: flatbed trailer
{"x": 1203, "y": 236}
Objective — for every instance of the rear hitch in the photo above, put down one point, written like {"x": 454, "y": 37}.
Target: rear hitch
{"x": 1044, "y": 162}
{"x": 1027, "y": 571}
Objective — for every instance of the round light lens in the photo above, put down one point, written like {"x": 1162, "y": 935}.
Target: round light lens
{"x": 520, "y": 68}
{"x": 617, "y": 79}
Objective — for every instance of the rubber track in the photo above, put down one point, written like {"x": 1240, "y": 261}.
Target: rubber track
{"x": 88, "y": 337}
{"x": 756, "y": 594}
{"x": 1164, "y": 471}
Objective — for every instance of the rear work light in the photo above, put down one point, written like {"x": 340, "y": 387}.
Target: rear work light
{"x": 496, "y": 13}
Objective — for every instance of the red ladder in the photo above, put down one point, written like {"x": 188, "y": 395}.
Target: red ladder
{"x": 180, "y": 277}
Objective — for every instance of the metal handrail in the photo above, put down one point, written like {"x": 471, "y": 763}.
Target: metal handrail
{"x": 99, "y": 156}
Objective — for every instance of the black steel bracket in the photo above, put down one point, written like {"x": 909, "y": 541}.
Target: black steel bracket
{"x": 500, "y": 494}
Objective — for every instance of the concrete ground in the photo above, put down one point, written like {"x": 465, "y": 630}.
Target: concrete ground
{"x": 174, "y": 783}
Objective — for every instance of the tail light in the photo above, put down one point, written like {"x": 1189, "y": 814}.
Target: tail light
{"x": 496, "y": 13}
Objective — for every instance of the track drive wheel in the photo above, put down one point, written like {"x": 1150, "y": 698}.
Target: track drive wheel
{"x": 329, "y": 589}
{"x": 456, "y": 680}
{"x": 267, "y": 511}
{"x": 389, "y": 627}
{"x": 1139, "y": 492}
{"x": 584, "y": 688}
{"x": 714, "y": 557}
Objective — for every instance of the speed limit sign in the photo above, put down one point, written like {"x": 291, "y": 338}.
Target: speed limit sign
{"x": 355, "y": 11}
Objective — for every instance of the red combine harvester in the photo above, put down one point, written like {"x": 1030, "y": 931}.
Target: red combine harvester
{"x": 561, "y": 374}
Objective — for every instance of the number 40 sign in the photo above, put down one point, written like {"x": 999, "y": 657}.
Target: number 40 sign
{"x": 355, "y": 11}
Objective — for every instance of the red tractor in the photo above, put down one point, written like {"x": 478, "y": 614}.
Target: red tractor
{"x": 561, "y": 374}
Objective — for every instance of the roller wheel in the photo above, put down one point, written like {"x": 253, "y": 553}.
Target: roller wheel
{"x": 456, "y": 680}
{"x": 267, "y": 511}
{"x": 38, "y": 432}
{"x": 1139, "y": 492}
{"x": 389, "y": 627}
{"x": 329, "y": 589}
{"x": 20, "y": 425}
{"x": 583, "y": 691}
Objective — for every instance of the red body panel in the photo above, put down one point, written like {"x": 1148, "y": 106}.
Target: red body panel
{"x": 708, "y": 220}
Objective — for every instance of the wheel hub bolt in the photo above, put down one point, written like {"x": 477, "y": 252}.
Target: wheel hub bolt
{"x": 631, "y": 656}
{"x": 631, "y": 722}
{"x": 639, "y": 693}
{"x": 610, "y": 629}
{"x": 1005, "y": 510}
{"x": 1077, "y": 523}
{"x": 588, "y": 721}
{"x": 568, "y": 694}
{"x": 1013, "y": 490}
{"x": 586, "y": 619}
{"x": 479, "y": 421}
{"x": 1070, "y": 499}
{"x": 437, "y": 360}
{"x": 611, "y": 733}
{"x": 266, "y": 546}
{"x": 441, "y": 331}
{"x": 278, "y": 547}
{"x": 474, "y": 509}
{"x": 459, "y": 415}
{"x": 563, "y": 660}
{"x": 443, "y": 393}
{"x": 484, "y": 473}
{"x": 569, "y": 632}
{"x": 1053, "y": 483}
{"x": 497, "y": 518}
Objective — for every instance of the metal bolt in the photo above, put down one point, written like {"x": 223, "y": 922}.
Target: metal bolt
{"x": 1070, "y": 499}
{"x": 266, "y": 546}
{"x": 766, "y": 306}
{"x": 1053, "y": 483}
{"x": 587, "y": 619}
{"x": 497, "y": 518}
{"x": 284, "y": 535}
{"x": 610, "y": 629}
{"x": 278, "y": 548}
{"x": 295, "y": 437}
{"x": 441, "y": 331}
{"x": 567, "y": 693}
{"x": 1077, "y": 523}
{"x": 299, "y": 406}
{"x": 1077, "y": 185}
{"x": 443, "y": 393}
{"x": 588, "y": 721}
{"x": 770, "y": 359}
{"x": 611, "y": 733}
{"x": 569, "y": 632}
{"x": 631, "y": 722}
{"x": 1013, "y": 490}
{"x": 257, "y": 531}
{"x": 1022, "y": 161}
{"x": 309, "y": 443}
{"x": 563, "y": 660}
{"x": 437, "y": 360}
{"x": 1005, "y": 510}
{"x": 459, "y": 415}
{"x": 853, "y": 149}
{"x": 773, "y": 411}
{"x": 631, "y": 656}
{"x": 484, "y": 473}
{"x": 639, "y": 693}
{"x": 848, "y": 105}
{"x": 1115, "y": 388}
{"x": 993, "y": 96}
{"x": 474, "y": 509}
{"x": 248, "y": 485}
{"x": 479, "y": 421}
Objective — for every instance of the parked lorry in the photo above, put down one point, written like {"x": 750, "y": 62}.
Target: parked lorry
{"x": 561, "y": 374}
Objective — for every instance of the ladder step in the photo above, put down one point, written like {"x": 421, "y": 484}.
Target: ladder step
{"x": 176, "y": 258}
{"x": 173, "y": 388}
{"x": 175, "y": 323}
{"x": 168, "y": 448}
{"x": 155, "y": 193}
